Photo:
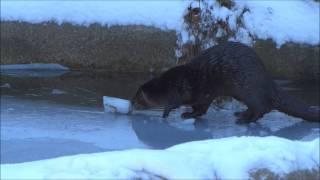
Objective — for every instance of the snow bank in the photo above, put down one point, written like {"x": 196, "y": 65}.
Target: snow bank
{"x": 228, "y": 158}
{"x": 281, "y": 21}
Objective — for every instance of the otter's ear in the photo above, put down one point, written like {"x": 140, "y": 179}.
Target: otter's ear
{"x": 140, "y": 94}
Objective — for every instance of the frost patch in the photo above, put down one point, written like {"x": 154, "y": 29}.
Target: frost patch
{"x": 57, "y": 92}
{"x": 5, "y": 85}
{"x": 33, "y": 66}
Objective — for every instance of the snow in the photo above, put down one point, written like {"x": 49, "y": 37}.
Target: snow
{"x": 161, "y": 14}
{"x": 113, "y": 104}
{"x": 227, "y": 158}
{"x": 281, "y": 21}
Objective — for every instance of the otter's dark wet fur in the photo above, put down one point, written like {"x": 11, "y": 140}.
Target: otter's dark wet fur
{"x": 229, "y": 69}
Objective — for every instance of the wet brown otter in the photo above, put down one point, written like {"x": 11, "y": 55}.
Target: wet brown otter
{"x": 229, "y": 69}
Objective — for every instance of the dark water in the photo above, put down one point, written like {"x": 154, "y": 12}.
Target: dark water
{"x": 87, "y": 88}
{"x": 78, "y": 88}
{"x": 47, "y": 114}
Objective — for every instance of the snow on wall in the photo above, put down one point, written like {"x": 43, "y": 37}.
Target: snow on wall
{"x": 228, "y": 158}
{"x": 162, "y": 14}
{"x": 282, "y": 21}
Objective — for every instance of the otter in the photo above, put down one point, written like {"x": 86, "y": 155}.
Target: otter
{"x": 229, "y": 69}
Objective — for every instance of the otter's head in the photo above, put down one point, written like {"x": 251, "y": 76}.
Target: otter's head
{"x": 151, "y": 94}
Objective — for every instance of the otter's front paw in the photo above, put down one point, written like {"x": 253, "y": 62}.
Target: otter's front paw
{"x": 239, "y": 113}
{"x": 165, "y": 115}
{"x": 186, "y": 115}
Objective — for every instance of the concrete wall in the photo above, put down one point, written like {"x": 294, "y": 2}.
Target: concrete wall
{"x": 291, "y": 61}
{"x": 118, "y": 48}
{"x": 131, "y": 49}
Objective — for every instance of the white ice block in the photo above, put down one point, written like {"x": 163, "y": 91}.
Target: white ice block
{"x": 113, "y": 104}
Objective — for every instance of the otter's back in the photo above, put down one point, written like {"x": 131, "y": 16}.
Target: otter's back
{"x": 233, "y": 64}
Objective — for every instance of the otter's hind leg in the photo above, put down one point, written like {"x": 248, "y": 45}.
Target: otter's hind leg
{"x": 168, "y": 108}
{"x": 247, "y": 114}
{"x": 197, "y": 110}
{"x": 257, "y": 107}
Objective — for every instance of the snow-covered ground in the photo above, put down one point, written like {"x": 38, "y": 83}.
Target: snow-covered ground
{"x": 228, "y": 158}
{"x": 281, "y": 21}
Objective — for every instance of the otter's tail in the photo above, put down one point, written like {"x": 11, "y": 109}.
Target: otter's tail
{"x": 287, "y": 104}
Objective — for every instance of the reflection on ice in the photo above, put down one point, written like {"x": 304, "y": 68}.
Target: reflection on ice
{"x": 219, "y": 124}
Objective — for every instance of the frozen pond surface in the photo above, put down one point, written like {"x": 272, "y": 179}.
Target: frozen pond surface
{"x": 51, "y": 116}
